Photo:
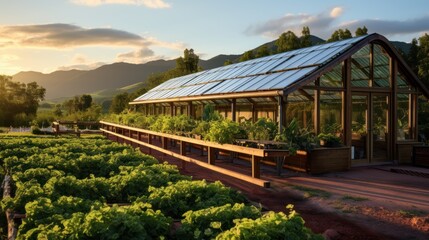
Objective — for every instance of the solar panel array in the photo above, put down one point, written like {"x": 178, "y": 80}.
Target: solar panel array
{"x": 273, "y": 72}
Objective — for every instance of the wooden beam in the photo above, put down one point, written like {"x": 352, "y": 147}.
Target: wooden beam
{"x": 227, "y": 147}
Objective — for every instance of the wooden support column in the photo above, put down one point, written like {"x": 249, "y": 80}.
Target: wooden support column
{"x": 316, "y": 113}
{"x": 347, "y": 102}
{"x": 254, "y": 113}
{"x": 183, "y": 152}
{"x": 190, "y": 109}
{"x": 211, "y": 152}
{"x": 281, "y": 112}
{"x": 172, "y": 110}
{"x": 164, "y": 142}
{"x": 256, "y": 168}
{"x": 393, "y": 112}
{"x": 149, "y": 140}
{"x": 234, "y": 110}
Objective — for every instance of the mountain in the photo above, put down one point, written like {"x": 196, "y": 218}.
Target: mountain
{"x": 108, "y": 80}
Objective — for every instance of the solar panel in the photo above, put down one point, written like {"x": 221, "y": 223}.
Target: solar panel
{"x": 267, "y": 73}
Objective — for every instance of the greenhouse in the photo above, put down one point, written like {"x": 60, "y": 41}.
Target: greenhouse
{"x": 359, "y": 90}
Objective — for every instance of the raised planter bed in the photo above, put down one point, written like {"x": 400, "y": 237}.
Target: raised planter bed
{"x": 421, "y": 156}
{"x": 320, "y": 160}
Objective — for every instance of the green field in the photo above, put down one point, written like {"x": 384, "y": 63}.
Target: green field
{"x": 91, "y": 188}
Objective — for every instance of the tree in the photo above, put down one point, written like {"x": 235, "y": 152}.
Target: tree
{"x": 18, "y": 101}
{"x": 262, "y": 51}
{"x": 227, "y": 62}
{"x": 247, "y": 56}
{"x": 85, "y": 102}
{"x": 413, "y": 56}
{"x": 361, "y": 31}
{"x": 340, "y": 34}
{"x": 423, "y": 57}
{"x": 287, "y": 41}
{"x": 119, "y": 103}
{"x": 57, "y": 111}
{"x": 305, "y": 37}
{"x": 188, "y": 63}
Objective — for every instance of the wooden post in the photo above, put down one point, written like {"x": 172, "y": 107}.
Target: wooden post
{"x": 211, "y": 156}
{"x": 281, "y": 113}
{"x": 256, "y": 168}
{"x": 191, "y": 111}
{"x": 234, "y": 110}
{"x": 183, "y": 152}
{"x": 149, "y": 140}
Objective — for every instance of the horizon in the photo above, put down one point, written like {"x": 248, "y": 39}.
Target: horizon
{"x": 66, "y": 36}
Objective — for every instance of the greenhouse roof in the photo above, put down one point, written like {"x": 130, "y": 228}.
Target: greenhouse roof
{"x": 267, "y": 76}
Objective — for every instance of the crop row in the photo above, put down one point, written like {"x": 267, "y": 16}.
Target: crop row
{"x": 92, "y": 188}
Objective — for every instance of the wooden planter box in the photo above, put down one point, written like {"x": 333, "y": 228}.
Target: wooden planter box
{"x": 421, "y": 156}
{"x": 320, "y": 160}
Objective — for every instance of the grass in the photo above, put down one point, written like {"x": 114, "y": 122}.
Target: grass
{"x": 311, "y": 192}
{"x": 354, "y": 199}
{"x": 412, "y": 213}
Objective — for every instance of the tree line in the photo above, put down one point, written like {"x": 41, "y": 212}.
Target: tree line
{"x": 18, "y": 101}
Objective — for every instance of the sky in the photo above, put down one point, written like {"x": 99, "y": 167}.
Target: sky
{"x": 51, "y": 35}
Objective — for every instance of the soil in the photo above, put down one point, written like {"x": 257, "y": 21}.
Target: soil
{"x": 338, "y": 216}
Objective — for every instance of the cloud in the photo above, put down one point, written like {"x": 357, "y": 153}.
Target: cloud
{"x": 147, "y": 3}
{"x": 336, "y": 12}
{"x": 317, "y": 23}
{"x": 391, "y": 27}
{"x": 59, "y": 35}
{"x": 139, "y": 56}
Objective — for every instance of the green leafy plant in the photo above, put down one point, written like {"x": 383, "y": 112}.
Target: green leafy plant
{"x": 270, "y": 226}
{"x": 222, "y": 132}
{"x": 263, "y": 129}
{"x": 329, "y": 140}
{"x": 297, "y": 138}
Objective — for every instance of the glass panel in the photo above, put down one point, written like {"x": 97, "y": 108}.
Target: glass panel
{"x": 361, "y": 68}
{"x": 380, "y": 118}
{"x": 403, "y": 113}
{"x": 300, "y": 105}
{"x": 285, "y": 82}
{"x": 331, "y": 112}
{"x": 402, "y": 83}
{"x": 381, "y": 67}
{"x": 359, "y": 126}
{"x": 333, "y": 78}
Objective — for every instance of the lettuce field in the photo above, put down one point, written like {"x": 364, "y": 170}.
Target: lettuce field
{"x": 91, "y": 188}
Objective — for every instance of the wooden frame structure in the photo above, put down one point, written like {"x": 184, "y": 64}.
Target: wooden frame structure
{"x": 159, "y": 142}
{"x": 372, "y": 76}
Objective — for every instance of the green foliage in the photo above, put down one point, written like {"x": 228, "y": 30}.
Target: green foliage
{"x": 287, "y": 41}
{"x": 180, "y": 197}
{"x": 329, "y": 140}
{"x": 18, "y": 101}
{"x": 340, "y": 34}
{"x": 263, "y": 129}
{"x": 64, "y": 185}
{"x": 210, "y": 114}
{"x": 222, "y": 132}
{"x": 270, "y": 226}
{"x": 137, "y": 221}
{"x": 209, "y": 222}
{"x": 361, "y": 31}
{"x": 296, "y": 138}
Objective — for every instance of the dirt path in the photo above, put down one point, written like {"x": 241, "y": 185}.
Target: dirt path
{"x": 359, "y": 204}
